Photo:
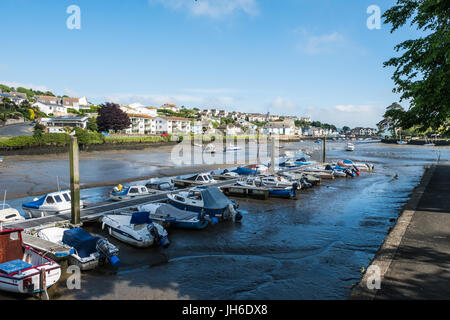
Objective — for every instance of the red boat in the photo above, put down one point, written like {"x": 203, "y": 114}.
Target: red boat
{"x": 23, "y": 269}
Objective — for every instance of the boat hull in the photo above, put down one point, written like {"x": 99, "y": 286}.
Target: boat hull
{"x": 129, "y": 239}
{"x": 16, "y": 284}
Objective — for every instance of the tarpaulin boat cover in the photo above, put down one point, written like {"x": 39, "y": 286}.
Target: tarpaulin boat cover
{"x": 14, "y": 266}
{"x": 82, "y": 241}
{"x": 140, "y": 218}
{"x": 169, "y": 211}
{"x": 35, "y": 204}
{"x": 214, "y": 199}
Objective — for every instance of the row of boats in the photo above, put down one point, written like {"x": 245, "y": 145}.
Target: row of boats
{"x": 145, "y": 225}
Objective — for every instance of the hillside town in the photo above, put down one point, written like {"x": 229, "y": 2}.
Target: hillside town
{"x": 58, "y": 113}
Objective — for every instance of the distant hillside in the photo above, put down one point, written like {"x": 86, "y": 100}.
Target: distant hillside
{"x": 29, "y": 92}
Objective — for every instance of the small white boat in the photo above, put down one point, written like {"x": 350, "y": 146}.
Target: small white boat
{"x": 21, "y": 266}
{"x": 87, "y": 251}
{"x": 49, "y": 204}
{"x": 129, "y": 192}
{"x": 201, "y": 178}
{"x": 350, "y": 147}
{"x": 8, "y": 214}
{"x": 137, "y": 230}
{"x": 277, "y": 181}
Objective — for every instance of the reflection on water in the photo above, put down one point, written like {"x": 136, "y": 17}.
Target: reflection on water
{"x": 310, "y": 248}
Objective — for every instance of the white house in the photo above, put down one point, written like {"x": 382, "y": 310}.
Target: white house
{"x": 137, "y": 108}
{"x": 197, "y": 127}
{"x": 173, "y": 125}
{"x": 55, "y": 109}
{"x": 170, "y": 107}
{"x": 280, "y": 128}
{"x": 252, "y": 117}
{"x": 141, "y": 124}
{"x": 66, "y": 121}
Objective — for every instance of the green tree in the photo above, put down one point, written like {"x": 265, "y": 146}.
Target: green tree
{"x": 92, "y": 125}
{"x": 346, "y": 129}
{"x": 391, "y": 118}
{"x": 422, "y": 72}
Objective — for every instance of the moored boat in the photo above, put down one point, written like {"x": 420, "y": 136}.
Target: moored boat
{"x": 21, "y": 266}
{"x": 87, "y": 252}
{"x": 8, "y": 214}
{"x": 210, "y": 201}
{"x": 350, "y": 147}
{"x": 137, "y": 230}
{"x": 168, "y": 214}
{"x": 129, "y": 192}
{"x": 49, "y": 204}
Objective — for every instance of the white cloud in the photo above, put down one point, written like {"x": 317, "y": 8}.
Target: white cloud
{"x": 212, "y": 8}
{"x": 25, "y": 85}
{"x": 352, "y": 108}
{"x": 347, "y": 115}
{"x": 316, "y": 44}
{"x": 282, "y": 106}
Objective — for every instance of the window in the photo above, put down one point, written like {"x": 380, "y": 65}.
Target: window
{"x": 134, "y": 190}
{"x": 58, "y": 199}
{"x": 14, "y": 236}
{"x": 178, "y": 198}
{"x": 66, "y": 196}
{"x": 200, "y": 178}
{"x": 143, "y": 189}
{"x": 50, "y": 200}
{"x": 10, "y": 216}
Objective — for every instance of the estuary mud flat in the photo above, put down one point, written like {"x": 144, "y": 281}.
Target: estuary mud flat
{"x": 310, "y": 248}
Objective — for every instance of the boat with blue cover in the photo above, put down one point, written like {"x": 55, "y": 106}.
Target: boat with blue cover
{"x": 174, "y": 217}
{"x": 291, "y": 163}
{"x": 87, "y": 251}
{"x": 49, "y": 204}
{"x": 250, "y": 170}
{"x": 210, "y": 201}
{"x": 137, "y": 229}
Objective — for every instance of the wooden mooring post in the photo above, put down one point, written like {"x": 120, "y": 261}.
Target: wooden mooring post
{"x": 74, "y": 181}
{"x": 324, "y": 149}
{"x": 43, "y": 284}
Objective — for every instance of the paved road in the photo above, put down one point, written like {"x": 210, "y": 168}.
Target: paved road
{"x": 21, "y": 129}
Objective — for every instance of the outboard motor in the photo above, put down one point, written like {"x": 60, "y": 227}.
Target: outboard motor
{"x": 236, "y": 216}
{"x": 295, "y": 186}
{"x": 108, "y": 251}
{"x": 328, "y": 167}
{"x": 349, "y": 173}
{"x": 163, "y": 241}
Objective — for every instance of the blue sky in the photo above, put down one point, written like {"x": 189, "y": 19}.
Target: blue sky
{"x": 307, "y": 58}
